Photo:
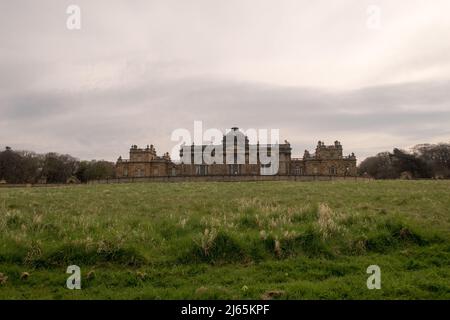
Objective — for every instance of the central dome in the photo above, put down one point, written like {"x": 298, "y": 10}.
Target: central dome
{"x": 234, "y": 134}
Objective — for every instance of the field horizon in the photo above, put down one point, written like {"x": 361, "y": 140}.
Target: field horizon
{"x": 227, "y": 240}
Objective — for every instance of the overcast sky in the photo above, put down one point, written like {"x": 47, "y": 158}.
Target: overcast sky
{"x": 137, "y": 70}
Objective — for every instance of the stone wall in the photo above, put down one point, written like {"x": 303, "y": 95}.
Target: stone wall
{"x": 227, "y": 178}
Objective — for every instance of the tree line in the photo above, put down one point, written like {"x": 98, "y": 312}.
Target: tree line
{"x": 422, "y": 162}
{"x": 31, "y": 167}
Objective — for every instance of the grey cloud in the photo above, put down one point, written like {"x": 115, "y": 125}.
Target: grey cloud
{"x": 149, "y": 112}
{"x": 137, "y": 71}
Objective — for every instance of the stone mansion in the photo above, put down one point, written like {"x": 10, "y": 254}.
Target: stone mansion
{"x": 328, "y": 160}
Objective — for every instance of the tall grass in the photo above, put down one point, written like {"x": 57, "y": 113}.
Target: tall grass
{"x": 187, "y": 227}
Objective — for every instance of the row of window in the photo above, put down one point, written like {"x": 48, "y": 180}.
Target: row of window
{"x": 299, "y": 171}
{"x": 140, "y": 172}
{"x": 202, "y": 170}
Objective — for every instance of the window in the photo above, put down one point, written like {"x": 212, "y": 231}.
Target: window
{"x": 201, "y": 170}
{"x": 234, "y": 169}
{"x": 125, "y": 172}
{"x": 298, "y": 171}
{"x": 347, "y": 170}
{"x": 332, "y": 170}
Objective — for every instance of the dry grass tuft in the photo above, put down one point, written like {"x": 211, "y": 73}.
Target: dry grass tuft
{"x": 24, "y": 275}
{"x": 327, "y": 221}
{"x": 34, "y": 253}
{"x": 206, "y": 240}
{"x": 3, "y": 278}
{"x": 277, "y": 247}
{"x": 263, "y": 235}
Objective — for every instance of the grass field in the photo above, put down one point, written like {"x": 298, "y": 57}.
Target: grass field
{"x": 279, "y": 240}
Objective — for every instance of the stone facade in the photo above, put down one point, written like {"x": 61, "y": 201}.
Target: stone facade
{"x": 145, "y": 163}
{"x": 328, "y": 160}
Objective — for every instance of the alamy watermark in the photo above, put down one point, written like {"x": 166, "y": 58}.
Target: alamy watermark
{"x": 373, "y": 21}
{"x": 73, "y": 21}
{"x": 74, "y": 280}
{"x": 374, "y": 281}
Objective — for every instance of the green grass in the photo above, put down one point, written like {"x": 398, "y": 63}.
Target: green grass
{"x": 227, "y": 240}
